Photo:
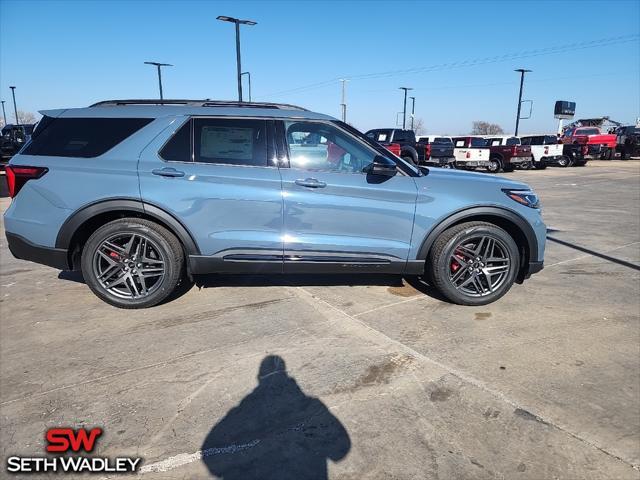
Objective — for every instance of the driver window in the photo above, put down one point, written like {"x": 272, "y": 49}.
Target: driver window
{"x": 325, "y": 148}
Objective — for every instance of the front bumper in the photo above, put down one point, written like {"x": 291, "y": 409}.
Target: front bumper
{"x": 23, "y": 249}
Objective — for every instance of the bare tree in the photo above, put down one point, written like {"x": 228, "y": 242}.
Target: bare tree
{"x": 418, "y": 126}
{"x": 25, "y": 118}
{"x": 485, "y": 128}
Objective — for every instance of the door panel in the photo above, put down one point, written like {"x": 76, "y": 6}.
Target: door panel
{"x": 337, "y": 213}
{"x": 231, "y": 210}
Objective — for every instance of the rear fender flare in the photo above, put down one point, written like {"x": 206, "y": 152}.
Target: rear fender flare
{"x": 78, "y": 218}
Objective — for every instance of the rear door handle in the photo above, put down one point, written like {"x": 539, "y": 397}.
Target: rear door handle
{"x": 311, "y": 183}
{"x": 167, "y": 172}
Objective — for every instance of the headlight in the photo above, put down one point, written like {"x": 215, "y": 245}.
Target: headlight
{"x": 528, "y": 198}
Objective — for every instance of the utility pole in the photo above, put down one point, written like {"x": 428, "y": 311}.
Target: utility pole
{"x": 522, "y": 72}
{"x": 343, "y": 105}
{"x": 237, "y": 22}
{"x": 404, "y": 109}
{"x": 248, "y": 74}
{"x": 4, "y": 114}
{"x": 159, "y": 65}
{"x": 15, "y": 109}
{"x": 413, "y": 110}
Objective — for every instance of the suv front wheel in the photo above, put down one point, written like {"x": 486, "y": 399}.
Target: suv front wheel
{"x": 132, "y": 263}
{"x": 473, "y": 263}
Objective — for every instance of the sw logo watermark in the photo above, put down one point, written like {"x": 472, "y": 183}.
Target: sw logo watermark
{"x": 72, "y": 442}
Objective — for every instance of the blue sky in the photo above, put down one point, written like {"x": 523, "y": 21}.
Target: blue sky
{"x": 73, "y": 53}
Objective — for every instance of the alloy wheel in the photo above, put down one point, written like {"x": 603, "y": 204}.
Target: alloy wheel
{"x": 479, "y": 265}
{"x": 129, "y": 265}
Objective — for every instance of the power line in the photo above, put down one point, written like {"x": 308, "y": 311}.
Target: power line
{"x": 471, "y": 62}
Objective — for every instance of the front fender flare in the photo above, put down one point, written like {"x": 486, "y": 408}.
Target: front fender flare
{"x": 473, "y": 213}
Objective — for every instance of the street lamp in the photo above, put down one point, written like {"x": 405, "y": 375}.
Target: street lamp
{"x": 404, "y": 110}
{"x": 3, "y": 112}
{"x": 159, "y": 66}
{"x": 248, "y": 74}
{"x": 522, "y": 72}
{"x": 15, "y": 109}
{"x": 413, "y": 110}
{"x": 237, "y": 22}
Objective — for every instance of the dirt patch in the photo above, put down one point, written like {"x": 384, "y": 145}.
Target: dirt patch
{"x": 482, "y": 315}
{"x": 405, "y": 290}
{"x": 379, "y": 373}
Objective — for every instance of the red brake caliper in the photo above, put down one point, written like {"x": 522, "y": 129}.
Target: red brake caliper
{"x": 114, "y": 255}
{"x": 454, "y": 264}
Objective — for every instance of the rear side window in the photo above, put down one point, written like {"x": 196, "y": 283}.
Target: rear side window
{"x": 178, "y": 148}
{"x": 81, "y": 137}
{"x": 229, "y": 141}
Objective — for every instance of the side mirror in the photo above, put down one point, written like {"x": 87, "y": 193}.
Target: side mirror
{"x": 383, "y": 166}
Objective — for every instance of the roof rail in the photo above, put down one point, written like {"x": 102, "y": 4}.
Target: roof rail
{"x": 198, "y": 103}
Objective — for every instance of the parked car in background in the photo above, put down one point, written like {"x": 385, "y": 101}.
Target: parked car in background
{"x": 546, "y": 150}
{"x": 141, "y": 196}
{"x": 577, "y": 155}
{"x": 600, "y": 144}
{"x": 409, "y": 149}
{"x": 471, "y": 153}
{"x": 438, "y": 150}
{"x": 12, "y": 139}
{"x": 628, "y": 141}
{"x": 507, "y": 153}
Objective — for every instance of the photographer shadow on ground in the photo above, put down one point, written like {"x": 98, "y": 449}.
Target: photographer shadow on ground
{"x": 275, "y": 432}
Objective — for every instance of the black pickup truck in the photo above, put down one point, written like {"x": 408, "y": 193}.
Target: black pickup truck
{"x": 628, "y": 141}
{"x": 12, "y": 138}
{"x": 409, "y": 148}
{"x": 438, "y": 150}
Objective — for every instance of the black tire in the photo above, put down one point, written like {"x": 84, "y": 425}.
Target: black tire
{"x": 156, "y": 246}
{"x": 495, "y": 165}
{"x": 581, "y": 163}
{"x": 624, "y": 153}
{"x": 539, "y": 165}
{"x": 441, "y": 261}
{"x": 612, "y": 154}
{"x": 565, "y": 161}
{"x": 508, "y": 168}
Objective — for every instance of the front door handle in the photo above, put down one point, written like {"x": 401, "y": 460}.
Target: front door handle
{"x": 311, "y": 183}
{"x": 167, "y": 172}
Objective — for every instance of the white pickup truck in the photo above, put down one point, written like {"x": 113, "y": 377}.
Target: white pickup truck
{"x": 470, "y": 154}
{"x": 546, "y": 150}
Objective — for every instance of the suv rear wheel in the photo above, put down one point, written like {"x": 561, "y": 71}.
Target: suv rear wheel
{"x": 473, "y": 263}
{"x": 132, "y": 263}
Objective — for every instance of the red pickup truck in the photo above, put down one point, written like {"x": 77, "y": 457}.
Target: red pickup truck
{"x": 599, "y": 144}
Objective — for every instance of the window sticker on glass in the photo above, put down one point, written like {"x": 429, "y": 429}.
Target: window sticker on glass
{"x": 382, "y": 137}
{"x": 226, "y": 142}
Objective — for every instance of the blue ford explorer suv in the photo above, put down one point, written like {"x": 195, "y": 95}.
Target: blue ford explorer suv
{"x": 141, "y": 195}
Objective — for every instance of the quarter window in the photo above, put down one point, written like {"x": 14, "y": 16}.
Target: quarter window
{"x": 229, "y": 141}
{"x": 81, "y": 137}
{"x": 323, "y": 147}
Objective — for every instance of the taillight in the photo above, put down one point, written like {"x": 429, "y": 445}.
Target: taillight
{"x": 18, "y": 175}
{"x": 584, "y": 150}
{"x": 468, "y": 154}
{"x": 427, "y": 150}
{"x": 514, "y": 151}
{"x": 394, "y": 148}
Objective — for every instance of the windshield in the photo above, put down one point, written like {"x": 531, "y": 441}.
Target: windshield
{"x": 369, "y": 140}
{"x": 478, "y": 142}
{"x": 443, "y": 141}
{"x": 587, "y": 131}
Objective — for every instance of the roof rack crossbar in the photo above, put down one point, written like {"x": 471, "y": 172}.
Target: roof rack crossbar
{"x": 198, "y": 103}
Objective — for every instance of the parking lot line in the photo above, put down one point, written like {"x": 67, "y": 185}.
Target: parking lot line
{"x": 592, "y": 255}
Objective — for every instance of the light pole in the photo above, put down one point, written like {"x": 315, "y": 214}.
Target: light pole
{"x": 248, "y": 74}
{"x": 237, "y": 22}
{"x": 15, "y": 109}
{"x": 4, "y": 113}
{"x": 413, "y": 110}
{"x": 343, "y": 105}
{"x": 404, "y": 109}
{"x": 159, "y": 66}
{"x": 522, "y": 72}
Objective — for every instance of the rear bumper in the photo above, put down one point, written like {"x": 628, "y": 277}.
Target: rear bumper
{"x": 23, "y": 249}
{"x": 440, "y": 161}
{"x": 472, "y": 163}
